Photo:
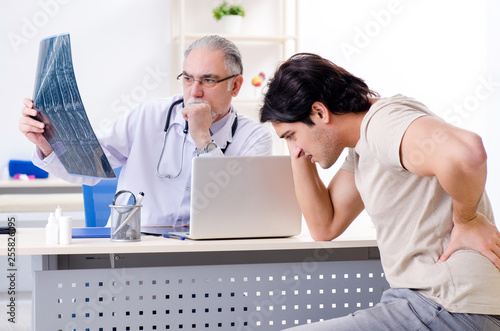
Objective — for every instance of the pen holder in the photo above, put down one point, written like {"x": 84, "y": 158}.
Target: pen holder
{"x": 125, "y": 222}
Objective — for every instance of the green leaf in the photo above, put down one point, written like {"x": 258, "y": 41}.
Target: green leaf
{"x": 225, "y": 9}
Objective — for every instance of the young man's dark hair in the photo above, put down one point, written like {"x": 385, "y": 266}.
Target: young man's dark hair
{"x": 306, "y": 78}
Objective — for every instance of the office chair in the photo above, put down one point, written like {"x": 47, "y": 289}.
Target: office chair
{"x": 96, "y": 200}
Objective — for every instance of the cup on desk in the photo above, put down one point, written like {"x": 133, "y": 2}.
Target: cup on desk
{"x": 125, "y": 222}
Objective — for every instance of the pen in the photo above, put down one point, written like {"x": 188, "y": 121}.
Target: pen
{"x": 166, "y": 235}
{"x": 131, "y": 215}
{"x": 151, "y": 234}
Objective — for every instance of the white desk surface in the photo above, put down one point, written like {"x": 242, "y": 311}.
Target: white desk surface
{"x": 31, "y": 241}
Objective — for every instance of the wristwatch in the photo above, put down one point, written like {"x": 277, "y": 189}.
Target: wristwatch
{"x": 210, "y": 146}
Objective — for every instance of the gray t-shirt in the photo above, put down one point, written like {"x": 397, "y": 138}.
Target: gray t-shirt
{"x": 413, "y": 216}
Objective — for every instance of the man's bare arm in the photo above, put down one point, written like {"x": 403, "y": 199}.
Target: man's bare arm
{"x": 327, "y": 211}
{"x": 458, "y": 159}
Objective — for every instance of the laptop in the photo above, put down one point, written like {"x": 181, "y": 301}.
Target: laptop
{"x": 242, "y": 197}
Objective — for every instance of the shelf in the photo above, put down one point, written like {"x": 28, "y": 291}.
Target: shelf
{"x": 269, "y": 38}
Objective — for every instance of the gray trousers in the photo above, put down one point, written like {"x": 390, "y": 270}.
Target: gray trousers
{"x": 404, "y": 309}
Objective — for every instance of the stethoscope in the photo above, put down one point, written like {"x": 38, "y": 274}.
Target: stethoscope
{"x": 185, "y": 131}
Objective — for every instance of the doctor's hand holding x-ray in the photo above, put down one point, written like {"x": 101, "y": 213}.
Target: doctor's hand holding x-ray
{"x": 155, "y": 142}
{"x": 32, "y": 128}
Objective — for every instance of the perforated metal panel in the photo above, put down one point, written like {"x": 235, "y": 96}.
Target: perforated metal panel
{"x": 222, "y": 297}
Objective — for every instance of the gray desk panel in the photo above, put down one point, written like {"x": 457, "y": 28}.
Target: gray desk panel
{"x": 259, "y": 293}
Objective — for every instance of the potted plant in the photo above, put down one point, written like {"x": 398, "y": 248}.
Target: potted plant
{"x": 230, "y": 15}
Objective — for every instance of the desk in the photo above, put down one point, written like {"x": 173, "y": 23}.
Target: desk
{"x": 39, "y": 186}
{"x": 39, "y": 196}
{"x": 169, "y": 284}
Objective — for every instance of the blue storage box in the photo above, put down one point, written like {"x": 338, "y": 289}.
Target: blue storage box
{"x": 27, "y": 168}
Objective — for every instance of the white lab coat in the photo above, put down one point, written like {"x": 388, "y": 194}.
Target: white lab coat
{"x": 134, "y": 143}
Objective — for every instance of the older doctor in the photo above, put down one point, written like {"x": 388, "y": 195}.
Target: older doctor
{"x": 159, "y": 164}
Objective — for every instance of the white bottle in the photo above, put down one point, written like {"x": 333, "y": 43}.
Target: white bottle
{"x": 51, "y": 231}
{"x": 65, "y": 230}
{"x": 58, "y": 216}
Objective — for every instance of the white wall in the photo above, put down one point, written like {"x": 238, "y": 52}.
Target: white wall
{"x": 444, "y": 53}
{"x": 121, "y": 56}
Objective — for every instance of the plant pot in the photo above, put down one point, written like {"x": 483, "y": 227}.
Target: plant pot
{"x": 231, "y": 23}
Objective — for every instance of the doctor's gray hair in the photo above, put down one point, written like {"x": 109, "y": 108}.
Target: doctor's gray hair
{"x": 232, "y": 56}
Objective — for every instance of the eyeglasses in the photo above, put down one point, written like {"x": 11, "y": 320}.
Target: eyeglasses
{"x": 187, "y": 81}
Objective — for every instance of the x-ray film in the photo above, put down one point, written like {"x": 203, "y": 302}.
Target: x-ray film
{"x": 60, "y": 107}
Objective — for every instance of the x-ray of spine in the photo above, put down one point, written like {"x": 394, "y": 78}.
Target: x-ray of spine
{"x": 60, "y": 107}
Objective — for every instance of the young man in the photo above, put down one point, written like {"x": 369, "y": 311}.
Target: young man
{"x": 421, "y": 181}
{"x": 159, "y": 163}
